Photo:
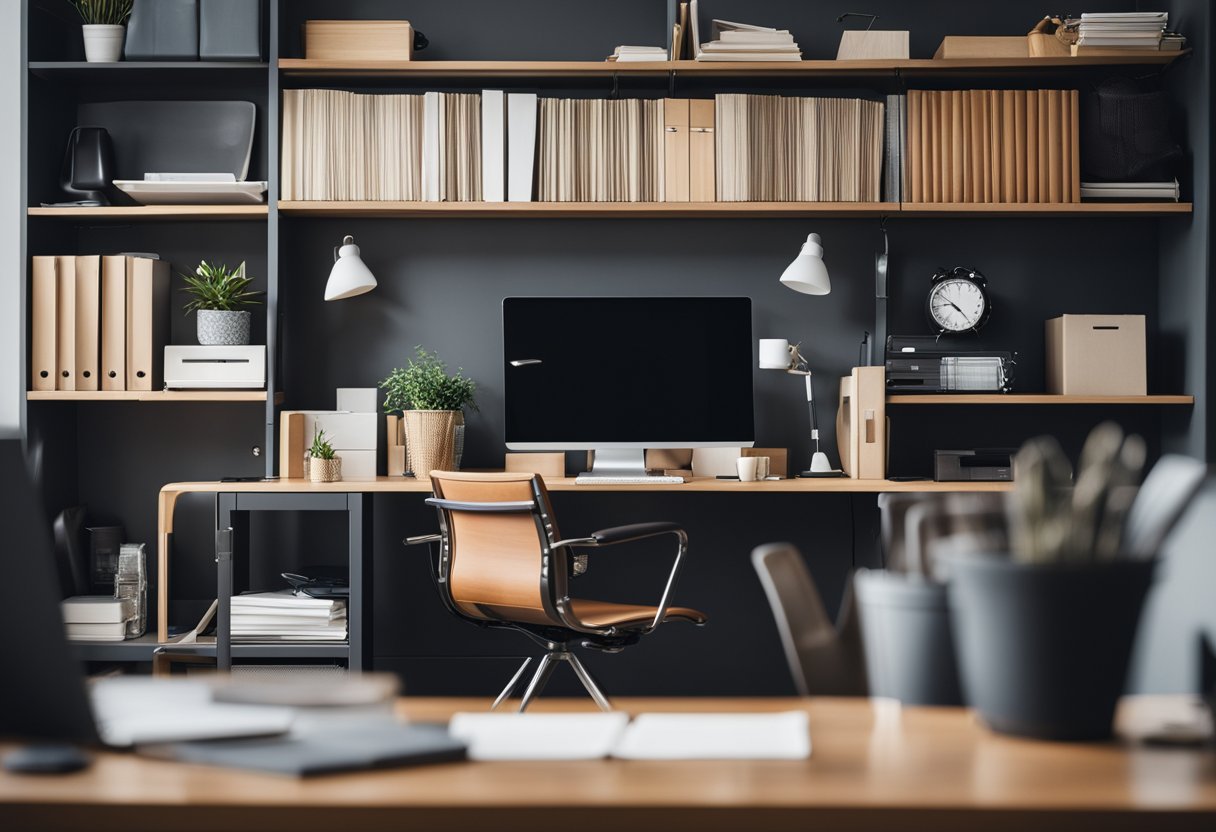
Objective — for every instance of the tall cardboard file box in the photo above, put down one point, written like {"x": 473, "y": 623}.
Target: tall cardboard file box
{"x": 1096, "y": 355}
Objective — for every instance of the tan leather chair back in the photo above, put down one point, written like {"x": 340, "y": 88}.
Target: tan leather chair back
{"x": 496, "y": 558}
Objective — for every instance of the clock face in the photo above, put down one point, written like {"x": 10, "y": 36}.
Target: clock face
{"x": 957, "y": 305}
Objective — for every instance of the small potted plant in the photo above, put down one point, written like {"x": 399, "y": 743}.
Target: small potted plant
{"x": 432, "y": 403}
{"x": 323, "y": 464}
{"x": 217, "y": 295}
{"x": 104, "y": 28}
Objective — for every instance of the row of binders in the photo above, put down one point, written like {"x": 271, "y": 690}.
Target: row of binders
{"x": 982, "y": 146}
{"x": 457, "y": 147}
{"x": 782, "y": 149}
{"x": 594, "y": 150}
{"x": 98, "y": 322}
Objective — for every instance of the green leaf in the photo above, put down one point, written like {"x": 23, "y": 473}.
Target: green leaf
{"x": 218, "y": 287}
{"x": 424, "y": 384}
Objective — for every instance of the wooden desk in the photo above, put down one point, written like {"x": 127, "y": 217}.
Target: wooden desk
{"x": 873, "y": 767}
{"x": 409, "y": 485}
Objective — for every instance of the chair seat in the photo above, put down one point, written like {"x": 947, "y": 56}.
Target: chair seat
{"x": 608, "y": 614}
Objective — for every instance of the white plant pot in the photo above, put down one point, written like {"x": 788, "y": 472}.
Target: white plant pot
{"x": 103, "y": 42}
{"x": 217, "y": 327}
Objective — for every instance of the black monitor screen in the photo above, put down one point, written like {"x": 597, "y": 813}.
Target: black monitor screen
{"x": 644, "y": 372}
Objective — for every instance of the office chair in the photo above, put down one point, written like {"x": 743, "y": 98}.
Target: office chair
{"x": 502, "y": 563}
{"x": 825, "y": 659}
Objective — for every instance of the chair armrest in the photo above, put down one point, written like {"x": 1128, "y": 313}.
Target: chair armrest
{"x": 422, "y": 538}
{"x": 634, "y": 531}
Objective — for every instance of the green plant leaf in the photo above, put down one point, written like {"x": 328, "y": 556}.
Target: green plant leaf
{"x": 218, "y": 287}
{"x": 424, "y": 384}
{"x": 103, "y": 12}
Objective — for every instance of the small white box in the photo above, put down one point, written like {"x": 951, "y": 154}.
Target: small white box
{"x": 215, "y": 368}
{"x": 358, "y": 465}
{"x": 344, "y": 431}
{"x": 357, "y": 399}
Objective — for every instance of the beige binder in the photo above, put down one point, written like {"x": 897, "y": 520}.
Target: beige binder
{"x": 147, "y": 322}
{"x": 1019, "y": 142}
{"x": 1032, "y": 146}
{"x": 292, "y": 444}
{"x": 1074, "y": 146}
{"x": 43, "y": 318}
{"x": 114, "y": 323}
{"x": 1055, "y": 146}
{"x": 916, "y": 180}
{"x": 88, "y": 322}
{"x": 701, "y": 184}
{"x": 861, "y": 423}
{"x": 65, "y": 323}
{"x": 675, "y": 149}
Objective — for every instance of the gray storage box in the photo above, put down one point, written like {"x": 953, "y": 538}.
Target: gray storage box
{"x": 163, "y": 30}
{"x": 230, "y": 30}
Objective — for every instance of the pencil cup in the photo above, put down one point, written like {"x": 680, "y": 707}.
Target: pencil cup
{"x": 747, "y": 467}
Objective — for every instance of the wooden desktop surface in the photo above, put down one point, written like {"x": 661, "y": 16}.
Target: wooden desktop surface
{"x": 873, "y": 767}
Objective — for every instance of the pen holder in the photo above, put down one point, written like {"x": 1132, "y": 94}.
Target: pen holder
{"x": 1044, "y": 649}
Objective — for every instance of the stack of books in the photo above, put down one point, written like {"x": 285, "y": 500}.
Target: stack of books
{"x": 798, "y": 149}
{"x": 1132, "y": 191}
{"x": 743, "y": 42}
{"x": 1120, "y": 31}
{"x": 624, "y": 54}
{"x": 982, "y": 146}
{"x": 97, "y": 617}
{"x": 595, "y": 150}
{"x": 451, "y": 147}
{"x": 283, "y": 616}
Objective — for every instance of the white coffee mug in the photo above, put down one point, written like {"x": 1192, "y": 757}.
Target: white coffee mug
{"x": 748, "y": 466}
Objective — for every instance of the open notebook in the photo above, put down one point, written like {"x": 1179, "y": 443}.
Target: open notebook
{"x": 653, "y": 736}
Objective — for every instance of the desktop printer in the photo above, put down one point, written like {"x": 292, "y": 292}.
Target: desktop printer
{"x": 215, "y": 368}
{"x": 979, "y": 465}
{"x": 923, "y": 364}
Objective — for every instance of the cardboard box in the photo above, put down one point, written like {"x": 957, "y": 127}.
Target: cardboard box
{"x": 357, "y": 466}
{"x": 548, "y": 465}
{"x": 1097, "y": 355}
{"x": 659, "y": 459}
{"x": 861, "y": 423}
{"x": 778, "y": 460}
{"x": 345, "y": 431}
{"x": 357, "y": 399}
{"x": 954, "y": 47}
{"x": 358, "y": 40}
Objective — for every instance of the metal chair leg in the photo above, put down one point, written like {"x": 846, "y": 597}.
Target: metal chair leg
{"x": 510, "y": 688}
{"x": 588, "y": 682}
{"x": 547, "y": 664}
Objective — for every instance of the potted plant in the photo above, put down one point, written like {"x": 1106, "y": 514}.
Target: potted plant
{"x": 323, "y": 464}
{"x": 217, "y": 295}
{"x": 104, "y": 28}
{"x": 432, "y": 403}
{"x": 1045, "y": 631}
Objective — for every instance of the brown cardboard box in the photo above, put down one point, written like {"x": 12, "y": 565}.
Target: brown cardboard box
{"x": 358, "y": 40}
{"x": 394, "y": 431}
{"x": 548, "y": 465}
{"x": 1096, "y": 355}
{"x": 292, "y": 444}
{"x": 778, "y": 460}
{"x": 964, "y": 46}
{"x": 659, "y": 459}
{"x": 861, "y": 423}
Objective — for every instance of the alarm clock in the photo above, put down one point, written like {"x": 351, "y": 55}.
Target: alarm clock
{"x": 958, "y": 300}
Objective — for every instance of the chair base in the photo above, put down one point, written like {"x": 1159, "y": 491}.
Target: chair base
{"x": 548, "y": 663}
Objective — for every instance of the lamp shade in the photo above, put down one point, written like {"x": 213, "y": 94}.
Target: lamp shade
{"x": 774, "y": 354}
{"x": 808, "y": 274}
{"x": 350, "y": 276}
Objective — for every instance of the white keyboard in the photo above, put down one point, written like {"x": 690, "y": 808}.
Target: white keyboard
{"x": 583, "y": 479}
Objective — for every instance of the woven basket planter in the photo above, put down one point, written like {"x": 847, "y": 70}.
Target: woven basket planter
{"x": 325, "y": 470}
{"x": 430, "y": 439}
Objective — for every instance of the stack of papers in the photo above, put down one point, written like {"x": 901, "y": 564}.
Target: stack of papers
{"x": 623, "y": 54}
{"x": 284, "y": 616}
{"x": 654, "y": 736}
{"x": 1132, "y": 30}
{"x": 743, "y": 42}
{"x": 1131, "y": 191}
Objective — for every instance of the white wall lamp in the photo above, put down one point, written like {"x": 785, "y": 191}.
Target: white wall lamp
{"x": 349, "y": 276}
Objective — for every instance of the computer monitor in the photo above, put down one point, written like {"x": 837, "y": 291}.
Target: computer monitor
{"x": 619, "y": 375}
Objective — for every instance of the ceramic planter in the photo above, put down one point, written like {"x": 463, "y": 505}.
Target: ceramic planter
{"x": 221, "y": 328}
{"x": 103, "y": 42}
{"x": 1043, "y": 650}
{"x": 325, "y": 470}
{"x": 430, "y": 436}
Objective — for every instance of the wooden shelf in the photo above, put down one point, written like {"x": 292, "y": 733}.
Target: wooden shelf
{"x": 574, "y": 210}
{"x": 1032, "y": 399}
{"x": 137, "y": 213}
{"x": 302, "y": 68}
{"x": 411, "y": 485}
{"x": 675, "y": 210}
{"x": 1053, "y": 209}
{"x": 150, "y": 396}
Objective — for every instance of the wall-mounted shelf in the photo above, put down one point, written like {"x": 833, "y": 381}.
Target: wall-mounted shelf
{"x": 142, "y": 649}
{"x": 161, "y": 71}
{"x": 576, "y": 210}
{"x": 150, "y": 396}
{"x": 138, "y": 213}
{"x": 1032, "y": 399}
{"x": 302, "y": 68}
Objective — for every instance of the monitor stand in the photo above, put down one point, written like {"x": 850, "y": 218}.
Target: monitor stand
{"x": 616, "y": 463}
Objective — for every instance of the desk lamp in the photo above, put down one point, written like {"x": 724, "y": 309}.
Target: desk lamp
{"x": 350, "y": 276}
{"x": 780, "y": 354}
